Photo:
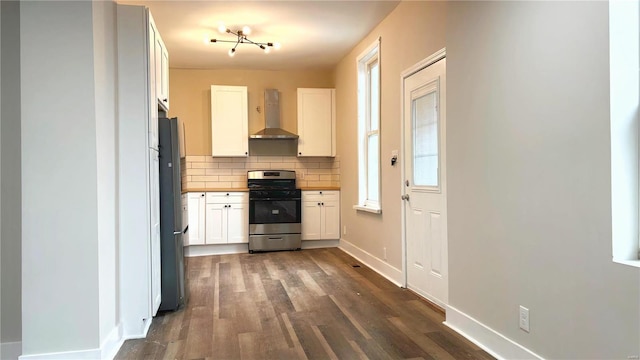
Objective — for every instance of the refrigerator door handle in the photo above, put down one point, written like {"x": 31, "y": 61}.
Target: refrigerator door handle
{"x": 177, "y": 232}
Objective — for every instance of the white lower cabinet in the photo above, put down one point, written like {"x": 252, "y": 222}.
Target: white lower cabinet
{"x": 227, "y": 218}
{"x": 321, "y": 215}
{"x": 196, "y": 210}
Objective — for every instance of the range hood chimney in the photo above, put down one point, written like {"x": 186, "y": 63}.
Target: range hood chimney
{"x": 272, "y": 129}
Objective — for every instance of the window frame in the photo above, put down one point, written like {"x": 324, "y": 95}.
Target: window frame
{"x": 624, "y": 100}
{"x": 364, "y": 63}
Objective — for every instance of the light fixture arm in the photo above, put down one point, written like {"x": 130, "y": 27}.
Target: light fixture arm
{"x": 242, "y": 39}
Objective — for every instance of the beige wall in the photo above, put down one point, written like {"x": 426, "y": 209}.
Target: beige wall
{"x": 412, "y": 32}
{"x": 529, "y": 180}
{"x": 190, "y": 96}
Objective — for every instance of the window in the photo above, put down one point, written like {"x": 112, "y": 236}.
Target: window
{"x": 624, "y": 40}
{"x": 425, "y": 136}
{"x": 369, "y": 129}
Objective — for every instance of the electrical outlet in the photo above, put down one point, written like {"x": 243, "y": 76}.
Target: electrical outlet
{"x": 344, "y": 230}
{"x": 524, "y": 318}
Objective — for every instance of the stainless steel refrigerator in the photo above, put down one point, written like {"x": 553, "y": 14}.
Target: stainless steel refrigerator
{"x": 172, "y": 228}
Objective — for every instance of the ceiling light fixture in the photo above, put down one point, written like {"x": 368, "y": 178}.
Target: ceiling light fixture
{"x": 242, "y": 39}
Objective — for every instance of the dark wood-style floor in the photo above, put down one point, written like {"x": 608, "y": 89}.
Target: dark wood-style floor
{"x": 309, "y": 304}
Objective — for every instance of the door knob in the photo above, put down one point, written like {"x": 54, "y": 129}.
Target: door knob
{"x": 405, "y": 197}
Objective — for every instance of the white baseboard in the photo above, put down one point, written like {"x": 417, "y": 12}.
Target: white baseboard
{"x": 222, "y": 249}
{"x": 380, "y": 266}
{"x": 10, "y": 350}
{"x": 486, "y": 338}
{"x": 112, "y": 344}
{"x": 110, "y": 347}
{"x": 319, "y": 244}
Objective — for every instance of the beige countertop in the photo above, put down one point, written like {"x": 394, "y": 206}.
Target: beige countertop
{"x": 319, "y": 188}
{"x": 215, "y": 190}
{"x": 303, "y": 188}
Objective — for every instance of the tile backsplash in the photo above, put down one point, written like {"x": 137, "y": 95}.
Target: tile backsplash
{"x": 206, "y": 172}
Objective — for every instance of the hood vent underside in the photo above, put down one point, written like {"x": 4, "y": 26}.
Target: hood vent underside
{"x": 272, "y": 129}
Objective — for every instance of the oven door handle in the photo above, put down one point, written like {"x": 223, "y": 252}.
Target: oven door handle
{"x": 274, "y": 199}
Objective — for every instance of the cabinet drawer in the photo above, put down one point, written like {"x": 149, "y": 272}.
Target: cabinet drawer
{"x": 324, "y": 195}
{"x": 227, "y": 197}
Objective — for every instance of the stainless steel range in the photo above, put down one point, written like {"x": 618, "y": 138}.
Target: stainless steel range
{"x": 274, "y": 211}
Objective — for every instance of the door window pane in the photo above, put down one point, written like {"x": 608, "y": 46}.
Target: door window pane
{"x": 425, "y": 139}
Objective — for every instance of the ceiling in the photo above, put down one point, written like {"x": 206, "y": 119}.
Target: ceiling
{"x": 312, "y": 34}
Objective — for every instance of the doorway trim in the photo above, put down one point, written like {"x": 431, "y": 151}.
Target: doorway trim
{"x": 435, "y": 57}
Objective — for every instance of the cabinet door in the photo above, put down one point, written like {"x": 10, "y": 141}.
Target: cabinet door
{"x": 185, "y": 217}
{"x": 229, "y": 121}
{"x": 154, "y": 200}
{"x": 330, "y": 220}
{"x": 162, "y": 72}
{"x": 238, "y": 223}
{"x": 316, "y": 122}
{"x": 152, "y": 91}
{"x": 216, "y": 224}
{"x": 311, "y": 220}
{"x": 196, "y": 219}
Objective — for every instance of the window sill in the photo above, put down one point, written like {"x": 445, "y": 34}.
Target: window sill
{"x": 633, "y": 263}
{"x": 367, "y": 209}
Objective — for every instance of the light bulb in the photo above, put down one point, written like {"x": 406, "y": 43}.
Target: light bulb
{"x": 206, "y": 39}
{"x": 246, "y": 30}
{"x": 222, "y": 28}
{"x": 276, "y": 46}
{"x": 232, "y": 52}
{"x": 267, "y": 49}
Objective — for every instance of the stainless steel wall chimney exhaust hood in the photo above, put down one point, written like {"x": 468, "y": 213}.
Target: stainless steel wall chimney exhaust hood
{"x": 272, "y": 129}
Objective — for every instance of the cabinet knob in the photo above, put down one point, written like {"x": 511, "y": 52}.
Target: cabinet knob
{"x": 201, "y": 194}
{"x": 299, "y": 153}
{"x": 246, "y": 153}
{"x": 165, "y": 100}
{"x": 320, "y": 192}
{"x": 318, "y": 204}
{"x": 322, "y": 204}
{"x": 227, "y": 194}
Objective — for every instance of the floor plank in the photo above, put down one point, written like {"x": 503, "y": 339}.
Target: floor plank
{"x": 310, "y": 304}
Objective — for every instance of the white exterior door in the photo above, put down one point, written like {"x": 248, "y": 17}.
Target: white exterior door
{"x": 424, "y": 192}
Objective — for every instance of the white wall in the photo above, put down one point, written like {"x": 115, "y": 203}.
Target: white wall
{"x": 68, "y": 159}
{"x": 529, "y": 178}
{"x": 11, "y": 324}
{"x": 104, "y": 37}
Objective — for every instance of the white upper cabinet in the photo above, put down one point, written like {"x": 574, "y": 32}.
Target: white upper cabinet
{"x": 158, "y": 67}
{"x": 229, "y": 121}
{"x": 162, "y": 73}
{"x": 153, "y": 85}
{"x": 316, "y": 122}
